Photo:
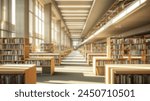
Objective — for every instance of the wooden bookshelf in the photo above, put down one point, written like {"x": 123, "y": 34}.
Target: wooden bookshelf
{"x": 65, "y": 52}
{"x": 17, "y": 74}
{"x": 123, "y": 72}
{"x": 47, "y": 64}
{"x": 99, "y": 47}
{"x": 47, "y": 47}
{"x": 100, "y": 62}
{"x": 131, "y": 48}
{"x": 57, "y": 56}
{"x": 91, "y": 55}
{"x": 147, "y": 51}
{"x": 14, "y": 50}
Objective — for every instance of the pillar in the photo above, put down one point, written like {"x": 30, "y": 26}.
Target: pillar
{"x": 47, "y": 22}
{"x": 0, "y": 15}
{"x": 91, "y": 47}
{"x": 22, "y": 18}
{"x": 59, "y": 34}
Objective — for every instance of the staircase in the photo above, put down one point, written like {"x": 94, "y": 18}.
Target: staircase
{"x": 74, "y": 58}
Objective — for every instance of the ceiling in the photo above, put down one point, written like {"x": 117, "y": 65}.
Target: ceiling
{"x": 79, "y": 16}
{"x": 74, "y": 13}
{"x": 136, "y": 19}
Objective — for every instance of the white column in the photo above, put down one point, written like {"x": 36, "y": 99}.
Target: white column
{"x": 47, "y": 22}
{"x": 22, "y": 18}
{"x": 59, "y": 34}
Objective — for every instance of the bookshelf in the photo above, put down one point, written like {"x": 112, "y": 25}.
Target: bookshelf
{"x": 13, "y": 50}
{"x": 91, "y": 55}
{"x": 99, "y": 47}
{"x": 57, "y": 56}
{"x": 47, "y": 64}
{"x": 100, "y": 62}
{"x": 127, "y": 74}
{"x": 65, "y": 52}
{"x": 47, "y": 47}
{"x": 147, "y": 51}
{"x": 17, "y": 74}
{"x": 132, "y": 48}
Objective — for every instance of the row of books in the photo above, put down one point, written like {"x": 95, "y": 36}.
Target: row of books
{"x": 117, "y": 61}
{"x": 13, "y": 52}
{"x": 12, "y": 62}
{"x": 1, "y": 46}
{"x": 55, "y": 56}
{"x": 137, "y": 46}
{"x": 12, "y": 79}
{"x": 134, "y": 40}
{"x": 117, "y": 52}
{"x": 13, "y": 46}
{"x": 117, "y": 41}
{"x": 99, "y": 48}
{"x": 39, "y": 63}
{"x": 47, "y": 47}
{"x": 127, "y": 40}
{"x": 117, "y": 56}
{"x": 103, "y": 62}
{"x": 117, "y": 46}
{"x": 136, "y": 52}
{"x": 136, "y": 61}
{"x": 132, "y": 79}
{"x": 13, "y": 58}
{"x": 13, "y": 40}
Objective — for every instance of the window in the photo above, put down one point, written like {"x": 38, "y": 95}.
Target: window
{"x": 38, "y": 15}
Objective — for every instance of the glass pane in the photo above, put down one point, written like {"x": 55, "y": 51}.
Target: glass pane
{"x": 31, "y": 24}
{"x": 31, "y": 5}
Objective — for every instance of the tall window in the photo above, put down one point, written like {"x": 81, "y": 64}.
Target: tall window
{"x": 36, "y": 19}
{"x": 7, "y": 16}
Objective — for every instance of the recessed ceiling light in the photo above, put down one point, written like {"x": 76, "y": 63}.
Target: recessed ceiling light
{"x": 74, "y": 17}
{"x": 74, "y": 14}
{"x": 74, "y": 6}
{"x": 74, "y": 11}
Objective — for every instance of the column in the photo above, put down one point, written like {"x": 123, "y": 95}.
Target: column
{"x": 34, "y": 28}
{"x": 9, "y": 18}
{"x": 22, "y": 18}
{"x": 59, "y": 34}
{"x": 6, "y": 17}
{"x": 62, "y": 35}
{"x": 91, "y": 47}
{"x": 0, "y": 15}
{"x": 47, "y": 22}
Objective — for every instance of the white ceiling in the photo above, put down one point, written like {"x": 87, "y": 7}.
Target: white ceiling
{"x": 75, "y": 13}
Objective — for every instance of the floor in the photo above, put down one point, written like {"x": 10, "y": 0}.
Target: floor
{"x": 73, "y": 70}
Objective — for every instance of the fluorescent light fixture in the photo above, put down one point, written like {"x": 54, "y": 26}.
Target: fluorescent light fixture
{"x": 75, "y": 22}
{"x": 75, "y": 25}
{"x": 74, "y": 0}
{"x": 74, "y": 6}
{"x": 74, "y": 11}
{"x": 74, "y": 14}
{"x": 74, "y": 17}
{"x": 117, "y": 18}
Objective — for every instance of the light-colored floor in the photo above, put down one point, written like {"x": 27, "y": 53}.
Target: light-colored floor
{"x": 75, "y": 71}
{"x": 71, "y": 75}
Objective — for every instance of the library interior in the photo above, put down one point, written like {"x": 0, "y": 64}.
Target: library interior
{"x": 74, "y": 42}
